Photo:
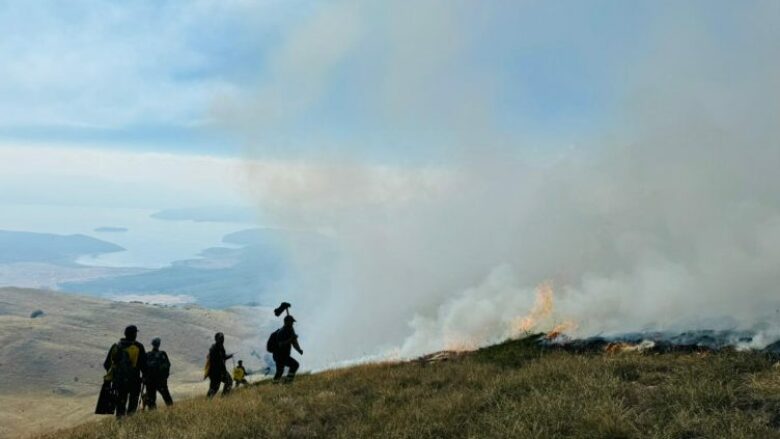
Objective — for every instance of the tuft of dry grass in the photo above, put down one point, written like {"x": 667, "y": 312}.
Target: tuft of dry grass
{"x": 513, "y": 390}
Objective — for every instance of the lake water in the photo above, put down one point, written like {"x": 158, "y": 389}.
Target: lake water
{"x": 149, "y": 242}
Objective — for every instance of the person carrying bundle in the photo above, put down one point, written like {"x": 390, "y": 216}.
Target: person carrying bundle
{"x": 280, "y": 344}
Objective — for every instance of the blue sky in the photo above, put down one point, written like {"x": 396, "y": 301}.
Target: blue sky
{"x": 158, "y": 75}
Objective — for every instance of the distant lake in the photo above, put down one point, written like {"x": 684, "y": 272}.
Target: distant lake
{"x": 149, "y": 242}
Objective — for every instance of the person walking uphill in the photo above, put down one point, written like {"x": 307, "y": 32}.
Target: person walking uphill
{"x": 124, "y": 364}
{"x": 280, "y": 344}
{"x": 158, "y": 367}
{"x": 215, "y": 367}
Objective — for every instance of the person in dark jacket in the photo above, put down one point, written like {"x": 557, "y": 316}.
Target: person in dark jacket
{"x": 125, "y": 364}
{"x": 217, "y": 371}
{"x": 158, "y": 367}
{"x": 286, "y": 339}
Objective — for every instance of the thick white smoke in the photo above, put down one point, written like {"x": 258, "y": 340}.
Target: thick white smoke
{"x": 668, "y": 218}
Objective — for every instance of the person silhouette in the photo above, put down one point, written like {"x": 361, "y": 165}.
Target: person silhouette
{"x": 217, "y": 372}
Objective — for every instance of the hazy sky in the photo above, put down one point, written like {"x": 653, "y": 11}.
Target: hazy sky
{"x": 147, "y": 75}
{"x": 401, "y": 84}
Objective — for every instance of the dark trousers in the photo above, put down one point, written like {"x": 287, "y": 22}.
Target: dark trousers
{"x": 283, "y": 361}
{"x": 127, "y": 398}
{"x": 154, "y": 386}
{"x": 215, "y": 380}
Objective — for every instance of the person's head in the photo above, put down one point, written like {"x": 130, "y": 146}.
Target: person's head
{"x": 156, "y": 342}
{"x": 289, "y": 320}
{"x": 240, "y": 363}
{"x": 219, "y": 337}
{"x": 131, "y": 332}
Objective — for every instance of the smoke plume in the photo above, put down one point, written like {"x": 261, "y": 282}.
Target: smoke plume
{"x": 666, "y": 216}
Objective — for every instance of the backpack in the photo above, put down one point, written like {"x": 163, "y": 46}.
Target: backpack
{"x": 273, "y": 342}
{"x": 125, "y": 362}
{"x": 157, "y": 364}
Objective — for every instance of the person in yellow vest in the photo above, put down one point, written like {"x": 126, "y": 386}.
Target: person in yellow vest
{"x": 124, "y": 364}
{"x": 239, "y": 374}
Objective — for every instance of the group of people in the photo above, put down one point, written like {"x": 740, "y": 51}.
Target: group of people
{"x": 129, "y": 368}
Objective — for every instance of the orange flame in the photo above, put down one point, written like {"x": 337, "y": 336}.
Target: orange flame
{"x": 560, "y": 329}
{"x": 616, "y": 348}
{"x": 542, "y": 309}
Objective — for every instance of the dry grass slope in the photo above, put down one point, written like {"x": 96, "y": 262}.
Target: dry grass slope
{"x": 51, "y": 367}
{"x": 513, "y": 390}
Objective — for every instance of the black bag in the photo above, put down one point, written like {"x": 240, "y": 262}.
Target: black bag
{"x": 273, "y": 342}
{"x": 106, "y": 403}
{"x": 157, "y": 364}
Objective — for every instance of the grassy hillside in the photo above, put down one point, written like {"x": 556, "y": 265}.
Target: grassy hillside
{"x": 510, "y": 390}
{"x": 51, "y": 366}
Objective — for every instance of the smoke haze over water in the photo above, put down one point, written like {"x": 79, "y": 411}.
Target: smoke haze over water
{"x": 666, "y": 216}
